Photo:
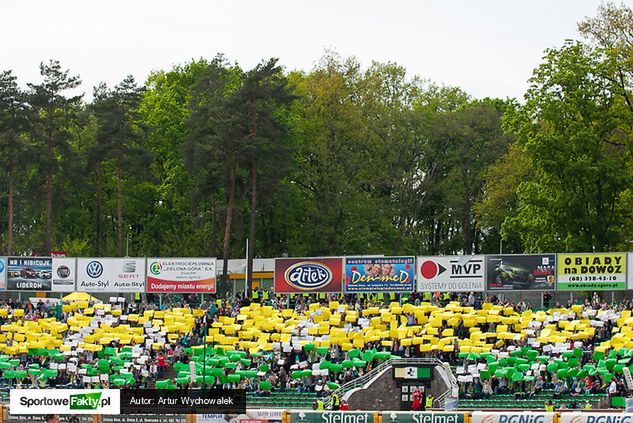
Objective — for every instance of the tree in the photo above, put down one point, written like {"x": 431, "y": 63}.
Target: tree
{"x": 54, "y": 114}
{"x": 118, "y": 139}
{"x": 212, "y": 148}
{"x": 13, "y": 124}
{"x": 577, "y": 201}
{"x": 263, "y": 93}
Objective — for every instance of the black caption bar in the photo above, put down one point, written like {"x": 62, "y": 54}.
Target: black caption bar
{"x": 189, "y": 401}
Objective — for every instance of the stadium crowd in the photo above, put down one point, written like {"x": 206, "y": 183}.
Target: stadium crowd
{"x": 572, "y": 349}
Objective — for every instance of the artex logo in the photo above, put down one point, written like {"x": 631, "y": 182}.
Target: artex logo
{"x": 89, "y": 401}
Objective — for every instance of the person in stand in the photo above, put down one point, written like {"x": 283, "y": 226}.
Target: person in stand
{"x": 344, "y": 406}
{"x": 416, "y": 400}
{"x": 549, "y": 406}
{"x": 428, "y": 402}
{"x": 336, "y": 403}
{"x": 52, "y": 418}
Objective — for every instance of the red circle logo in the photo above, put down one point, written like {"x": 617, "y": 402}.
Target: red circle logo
{"x": 429, "y": 269}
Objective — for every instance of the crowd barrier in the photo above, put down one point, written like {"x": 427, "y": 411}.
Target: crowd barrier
{"x": 308, "y": 416}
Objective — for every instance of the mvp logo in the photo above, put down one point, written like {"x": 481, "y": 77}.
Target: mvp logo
{"x": 89, "y": 401}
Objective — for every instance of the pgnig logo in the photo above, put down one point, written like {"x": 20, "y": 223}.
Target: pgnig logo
{"x": 308, "y": 275}
{"x": 94, "y": 269}
{"x": 155, "y": 268}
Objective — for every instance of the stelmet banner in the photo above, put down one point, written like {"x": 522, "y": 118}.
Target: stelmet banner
{"x": 379, "y": 274}
{"x": 64, "y": 274}
{"x": 306, "y": 275}
{"x": 330, "y": 417}
{"x": 512, "y": 417}
{"x": 181, "y": 275}
{"x": 422, "y": 417}
{"x": 111, "y": 274}
{"x": 531, "y": 272}
{"x": 451, "y": 273}
{"x": 591, "y": 272}
{"x": 29, "y": 273}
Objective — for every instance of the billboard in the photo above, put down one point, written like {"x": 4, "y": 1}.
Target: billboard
{"x": 181, "y": 275}
{"x": 591, "y": 417}
{"x": 29, "y": 273}
{"x": 111, "y": 274}
{"x": 379, "y": 274}
{"x": 451, "y": 273}
{"x": 521, "y": 272}
{"x": 307, "y": 275}
{"x": 3, "y": 273}
{"x": 591, "y": 271}
{"x": 422, "y": 417}
{"x": 64, "y": 274}
{"x": 305, "y": 416}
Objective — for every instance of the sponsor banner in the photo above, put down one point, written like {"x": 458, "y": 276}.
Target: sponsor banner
{"x": 533, "y": 272}
{"x": 3, "y": 273}
{"x": 596, "y": 418}
{"x": 111, "y": 274}
{"x": 421, "y": 417}
{"x": 511, "y": 417}
{"x": 251, "y": 416}
{"x": 307, "y": 275}
{"x": 330, "y": 417}
{"x": 145, "y": 419}
{"x": 64, "y": 274}
{"x": 451, "y": 273}
{"x": 64, "y": 401}
{"x": 29, "y": 273}
{"x": 379, "y": 274}
{"x": 591, "y": 272}
{"x": 181, "y": 275}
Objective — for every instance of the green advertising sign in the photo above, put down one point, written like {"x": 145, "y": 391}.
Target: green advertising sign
{"x": 332, "y": 417}
{"x": 413, "y": 417}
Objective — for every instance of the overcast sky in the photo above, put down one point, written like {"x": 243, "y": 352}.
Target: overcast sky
{"x": 488, "y": 48}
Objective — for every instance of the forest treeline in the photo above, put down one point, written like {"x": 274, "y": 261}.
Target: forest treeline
{"x": 343, "y": 159}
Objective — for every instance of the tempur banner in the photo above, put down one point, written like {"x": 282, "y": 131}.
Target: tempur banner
{"x": 511, "y": 417}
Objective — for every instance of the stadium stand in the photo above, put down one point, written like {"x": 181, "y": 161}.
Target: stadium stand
{"x": 502, "y": 354}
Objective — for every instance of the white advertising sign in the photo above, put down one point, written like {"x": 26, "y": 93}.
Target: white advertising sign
{"x": 271, "y": 415}
{"x": 451, "y": 273}
{"x": 181, "y": 275}
{"x": 511, "y": 417}
{"x": 64, "y": 274}
{"x": 64, "y": 401}
{"x": 596, "y": 418}
{"x": 111, "y": 274}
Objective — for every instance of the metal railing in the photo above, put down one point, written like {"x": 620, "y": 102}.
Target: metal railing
{"x": 361, "y": 381}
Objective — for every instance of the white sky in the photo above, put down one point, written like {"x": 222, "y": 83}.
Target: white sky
{"x": 487, "y": 47}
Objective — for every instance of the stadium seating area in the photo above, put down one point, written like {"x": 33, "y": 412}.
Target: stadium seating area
{"x": 286, "y": 357}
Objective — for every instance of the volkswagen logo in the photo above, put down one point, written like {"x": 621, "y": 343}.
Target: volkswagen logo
{"x": 94, "y": 269}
